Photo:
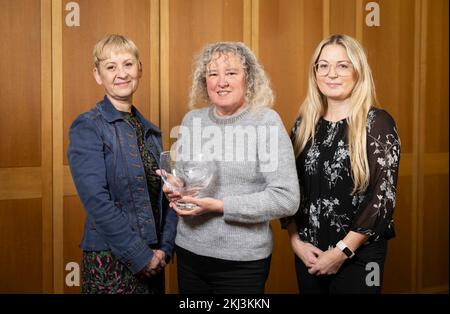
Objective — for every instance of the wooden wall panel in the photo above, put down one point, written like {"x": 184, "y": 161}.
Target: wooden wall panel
{"x": 25, "y": 139}
{"x": 395, "y": 85}
{"x": 436, "y": 106}
{"x": 433, "y": 167}
{"x": 21, "y": 246}
{"x": 400, "y": 252}
{"x": 20, "y": 63}
{"x": 20, "y": 183}
{"x": 98, "y": 18}
{"x": 74, "y": 216}
{"x": 289, "y": 32}
{"x": 394, "y": 79}
{"x": 192, "y": 25}
{"x": 282, "y": 278}
{"x": 435, "y": 234}
{"x": 343, "y": 17}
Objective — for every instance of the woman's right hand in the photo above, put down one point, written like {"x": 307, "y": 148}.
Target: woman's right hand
{"x": 307, "y": 252}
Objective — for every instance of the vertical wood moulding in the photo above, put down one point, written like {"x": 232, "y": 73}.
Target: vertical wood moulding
{"x": 247, "y": 16}
{"x": 415, "y": 148}
{"x": 326, "y": 18}
{"x": 164, "y": 71}
{"x": 46, "y": 145}
{"x": 419, "y": 132}
{"x": 154, "y": 62}
{"x": 359, "y": 14}
{"x": 255, "y": 27}
{"x": 57, "y": 105}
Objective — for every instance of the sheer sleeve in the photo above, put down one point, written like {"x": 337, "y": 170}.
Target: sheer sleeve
{"x": 374, "y": 213}
{"x": 285, "y": 221}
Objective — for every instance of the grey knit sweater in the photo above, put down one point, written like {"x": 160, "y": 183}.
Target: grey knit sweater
{"x": 256, "y": 178}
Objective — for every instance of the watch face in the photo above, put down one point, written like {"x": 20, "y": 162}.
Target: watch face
{"x": 347, "y": 252}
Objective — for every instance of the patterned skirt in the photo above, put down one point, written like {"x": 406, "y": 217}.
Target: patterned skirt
{"x": 102, "y": 273}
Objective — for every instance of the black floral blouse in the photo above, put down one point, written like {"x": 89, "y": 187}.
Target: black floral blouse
{"x": 328, "y": 210}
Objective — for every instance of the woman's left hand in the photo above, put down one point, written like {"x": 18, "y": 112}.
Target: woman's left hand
{"x": 203, "y": 205}
{"x": 328, "y": 262}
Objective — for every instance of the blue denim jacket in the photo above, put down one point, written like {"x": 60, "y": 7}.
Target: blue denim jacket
{"x": 109, "y": 176}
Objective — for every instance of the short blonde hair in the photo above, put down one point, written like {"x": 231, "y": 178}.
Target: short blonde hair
{"x": 258, "y": 91}
{"x": 110, "y": 43}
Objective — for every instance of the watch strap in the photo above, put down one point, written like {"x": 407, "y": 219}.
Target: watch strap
{"x": 344, "y": 248}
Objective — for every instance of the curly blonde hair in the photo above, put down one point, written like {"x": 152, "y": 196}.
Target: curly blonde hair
{"x": 258, "y": 90}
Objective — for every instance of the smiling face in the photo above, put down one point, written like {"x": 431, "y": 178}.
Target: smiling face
{"x": 338, "y": 83}
{"x": 119, "y": 74}
{"x": 225, "y": 83}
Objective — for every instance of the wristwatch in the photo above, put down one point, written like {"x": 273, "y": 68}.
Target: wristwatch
{"x": 344, "y": 248}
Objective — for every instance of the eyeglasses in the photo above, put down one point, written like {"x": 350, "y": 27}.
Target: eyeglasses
{"x": 342, "y": 68}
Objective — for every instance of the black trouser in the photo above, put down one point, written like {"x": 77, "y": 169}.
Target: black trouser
{"x": 352, "y": 277}
{"x": 205, "y": 275}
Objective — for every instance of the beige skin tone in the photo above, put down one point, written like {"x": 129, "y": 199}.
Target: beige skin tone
{"x": 337, "y": 89}
{"x": 119, "y": 74}
{"x": 226, "y": 86}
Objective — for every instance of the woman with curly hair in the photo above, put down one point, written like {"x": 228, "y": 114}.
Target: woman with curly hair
{"x": 224, "y": 243}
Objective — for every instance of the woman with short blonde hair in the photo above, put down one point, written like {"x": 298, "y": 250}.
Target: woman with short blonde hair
{"x": 113, "y": 155}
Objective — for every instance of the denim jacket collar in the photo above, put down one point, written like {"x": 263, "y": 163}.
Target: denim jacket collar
{"x": 111, "y": 114}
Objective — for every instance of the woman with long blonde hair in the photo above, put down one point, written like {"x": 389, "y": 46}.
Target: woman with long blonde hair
{"x": 347, "y": 154}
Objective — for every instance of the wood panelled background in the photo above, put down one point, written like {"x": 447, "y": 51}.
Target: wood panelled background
{"x": 47, "y": 81}
{"x": 394, "y": 81}
{"x": 26, "y": 263}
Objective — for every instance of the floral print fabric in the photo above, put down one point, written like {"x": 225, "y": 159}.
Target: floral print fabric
{"x": 328, "y": 209}
{"x": 104, "y": 274}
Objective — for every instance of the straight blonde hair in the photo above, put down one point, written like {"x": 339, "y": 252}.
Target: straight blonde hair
{"x": 362, "y": 98}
